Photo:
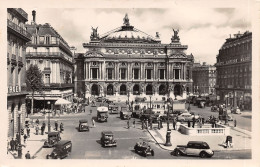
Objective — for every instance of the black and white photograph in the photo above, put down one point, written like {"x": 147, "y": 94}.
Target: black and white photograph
{"x": 169, "y": 82}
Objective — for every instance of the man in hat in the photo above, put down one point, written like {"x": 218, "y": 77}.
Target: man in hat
{"x": 27, "y": 155}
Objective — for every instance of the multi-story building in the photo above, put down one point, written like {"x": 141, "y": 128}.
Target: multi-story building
{"x": 127, "y": 62}
{"x": 204, "y": 79}
{"x": 52, "y": 54}
{"x": 17, "y": 36}
{"x": 234, "y": 71}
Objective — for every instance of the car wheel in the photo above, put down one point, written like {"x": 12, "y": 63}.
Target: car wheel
{"x": 48, "y": 157}
{"x": 136, "y": 151}
{"x": 177, "y": 153}
{"x": 144, "y": 153}
{"x": 203, "y": 155}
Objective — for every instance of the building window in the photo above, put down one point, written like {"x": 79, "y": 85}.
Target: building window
{"x": 162, "y": 73}
{"x": 47, "y": 40}
{"x": 47, "y": 78}
{"x": 148, "y": 74}
{"x": 48, "y": 63}
{"x": 94, "y": 73}
{"x": 110, "y": 73}
{"x": 136, "y": 73}
{"x": 177, "y": 74}
{"x": 123, "y": 73}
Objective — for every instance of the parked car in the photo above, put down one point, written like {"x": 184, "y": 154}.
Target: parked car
{"x": 195, "y": 148}
{"x": 61, "y": 150}
{"x": 144, "y": 149}
{"x": 113, "y": 108}
{"x": 102, "y": 115}
{"x": 53, "y": 138}
{"x": 100, "y": 99}
{"x": 83, "y": 125}
{"x": 107, "y": 139}
{"x": 125, "y": 113}
{"x": 186, "y": 117}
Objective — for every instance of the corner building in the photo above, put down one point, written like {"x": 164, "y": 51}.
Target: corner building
{"x": 51, "y": 53}
{"x": 234, "y": 71}
{"x": 128, "y": 63}
{"x": 17, "y": 36}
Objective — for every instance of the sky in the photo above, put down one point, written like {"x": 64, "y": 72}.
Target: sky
{"x": 203, "y": 29}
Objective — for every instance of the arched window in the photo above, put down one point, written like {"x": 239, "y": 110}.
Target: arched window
{"x": 162, "y": 89}
{"x": 123, "y": 89}
{"x": 136, "y": 90}
{"x": 149, "y": 89}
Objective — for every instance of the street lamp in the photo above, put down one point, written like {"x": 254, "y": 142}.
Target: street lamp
{"x": 189, "y": 102}
{"x": 19, "y": 139}
{"x": 168, "y": 135}
{"x": 49, "y": 123}
{"x": 150, "y": 101}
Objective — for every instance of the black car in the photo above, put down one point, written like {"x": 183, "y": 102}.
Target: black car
{"x": 83, "y": 125}
{"x": 53, "y": 138}
{"x": 61, "y": 150}
{"x": 144, "y": 149}
{"x": 107, "y": 139}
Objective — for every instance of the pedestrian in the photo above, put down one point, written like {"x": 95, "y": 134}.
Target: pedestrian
{"x": 37, "y": 121}
{"x": 90, "y": 112}
{"x": 28, "y": 132}
{"x": 203, "y": 120}
{"x": 37, "y": 129}
{"x": 188, "y": 123}
{"x": 142, "y": 124}
{"x": 24, "y": 138}
{"x": 146, "y": 123}
{"x": 128, "y": 124}
{"x": 44, "y": 126}
{"x": 193, "y": 122}
{"x": 27, "y": 155}
{"x": 61, "y": 127}
{"x": 134, "y": 123}
{"x": 12, "y": 143}
{"x": 15, "y": 144}
{"x": 17, "y": 136}
{"x": 56, "y": 125}
{"x": 42, "y": 130}
{"x": 93, "y": 122}
{"x": 235, "y": 123}
{"x": 174, "y": 123}
{"x": 159, "y": 124}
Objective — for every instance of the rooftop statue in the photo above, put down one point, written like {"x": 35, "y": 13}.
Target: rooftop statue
{"x": 126, "y": 20}
{"x": 175, "y": 37}
{"x": 94, "y": 34}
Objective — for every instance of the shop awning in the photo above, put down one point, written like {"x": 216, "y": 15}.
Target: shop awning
{"x": 61, "y": 101}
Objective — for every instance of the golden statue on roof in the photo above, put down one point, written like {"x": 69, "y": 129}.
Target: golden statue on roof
{"x": 126, "y": 20}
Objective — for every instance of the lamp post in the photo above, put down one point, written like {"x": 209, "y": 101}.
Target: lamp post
{"x": 189, "y": 102}
{"x": 168, "y": 134}
{"x": 49, "y": 123}
{"x": 19, "y": 133}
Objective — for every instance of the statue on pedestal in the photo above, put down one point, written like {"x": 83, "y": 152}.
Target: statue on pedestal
{"x": 94, "y": 34}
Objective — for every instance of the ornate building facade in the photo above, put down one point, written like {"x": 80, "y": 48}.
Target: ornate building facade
{"x": 234, "y": 71}
{"x": 17, "y": 36}
{"x": 52, "y": 54}
{"x": 128, "y": 63}
{"x": 204, "y": 79}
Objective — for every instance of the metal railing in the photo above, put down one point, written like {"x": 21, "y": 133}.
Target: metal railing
{"x": 18, "y": 29}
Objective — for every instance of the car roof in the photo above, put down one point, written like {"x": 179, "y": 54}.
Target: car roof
{"x": 107, "y": 132}
{"x": 83, "y": 120}
{"x": 196, "y": 142}
{"x": 62, "y": 142}
{"x": 53, "y": 133}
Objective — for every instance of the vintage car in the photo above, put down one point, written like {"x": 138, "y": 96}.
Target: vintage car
{"x": 83, "y": 125}
{"x": 53, "y": 138}
{"x": 186, "y": 117}
{"x": 195, "y": 148}
{"x": 100, "y": 99}
{"x": 61, "y": 150}
{"x": 124, "y": 113}
{"x": 102, "y": 115}
{"x": 107, "y": 139}
{"x": 144, "y": 149}
{"x": 113, "y": 108}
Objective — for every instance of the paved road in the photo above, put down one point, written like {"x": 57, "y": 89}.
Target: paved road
{"x": 244, "y": 120}
{"x": 86, "y": 145}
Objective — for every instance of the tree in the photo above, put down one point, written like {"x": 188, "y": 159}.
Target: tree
{"x": 34, "y": 81}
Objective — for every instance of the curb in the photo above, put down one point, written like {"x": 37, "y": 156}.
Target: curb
{"x": 157, "y": 142}
{"x": 246, "y": 132}
{"x": 34, "y": 156}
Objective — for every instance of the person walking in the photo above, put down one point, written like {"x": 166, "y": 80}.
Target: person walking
{"x": 93, "y": 122}
{"x": 235, "y": 123}
{"x": 188, "y": 123}
{"x": 128, "y": 124}
{"x": 61, "y": 127}
{"x": 17, "y": 136}
{"x": 37, "y": 129}
{"x": 27, "y": 155}
{"x": 24, "y": 138}
{"x": 16, "y": 144}
{"x": 56, "y": 125}
{"x": 42, "y": 129}
{"x": 44, "y": 126}
{"x": 37, "y": 121}
{"x": 28, "y": 132}
{"x": 193, "y": 122}
{"x": 134, "y": 123}
{"x": 202, "y": 120}
{"x": 12, "y": 144}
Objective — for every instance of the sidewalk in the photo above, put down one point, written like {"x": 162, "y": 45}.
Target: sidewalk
{"x": 33, "y": 144}
{"x": 241, "y": 139}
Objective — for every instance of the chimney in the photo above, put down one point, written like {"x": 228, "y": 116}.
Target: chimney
{"x": 34, "y": 15}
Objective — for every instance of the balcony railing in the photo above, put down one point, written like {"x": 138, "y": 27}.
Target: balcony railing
{"x": 20, "y": 61}
{"x": 18, "y": 29}
{"x": 59, "y": 85}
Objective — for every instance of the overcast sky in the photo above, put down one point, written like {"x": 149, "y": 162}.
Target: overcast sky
{"x": 204, "y": 30}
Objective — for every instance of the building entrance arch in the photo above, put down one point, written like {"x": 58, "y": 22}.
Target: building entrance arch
{"x": 110, "y": 89}
{"x": 123, "y": 89}
{"x": 149, "y": 89}
{"x": 177, "y": 90}
{"x": 95, "y": 90}
{"x": 162, "y": 89}
{"x": 136, "y": 89}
